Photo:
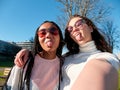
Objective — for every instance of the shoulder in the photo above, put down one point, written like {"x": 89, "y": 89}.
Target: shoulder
{"x": 105, "y": 56}
{"x": 99, "y": 64}
{"x": 102, "y": 69}
{"x": 97, "y": 74}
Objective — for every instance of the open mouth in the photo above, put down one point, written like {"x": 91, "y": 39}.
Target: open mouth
{"x": 49, "y": 43}
{"x": 78, "y": 36}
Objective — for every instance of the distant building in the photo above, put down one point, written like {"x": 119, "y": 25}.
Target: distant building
{"x": 11, "y": 48}
{"x": 25, "y": 45}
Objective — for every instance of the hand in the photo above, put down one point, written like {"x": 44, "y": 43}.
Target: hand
{"x": 21, "y": 57}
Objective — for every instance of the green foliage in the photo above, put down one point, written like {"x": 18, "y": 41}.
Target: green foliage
{"x": 6, "y": 61}
{"x": 6, "y": 64}
{"x": 119, "y": 81}
{"x": 2, "y": 80}
{"x": 1, "y": 73}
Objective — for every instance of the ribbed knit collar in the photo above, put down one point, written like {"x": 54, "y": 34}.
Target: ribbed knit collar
{"x": 88, "y": 47}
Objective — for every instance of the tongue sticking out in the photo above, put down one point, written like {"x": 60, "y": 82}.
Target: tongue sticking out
{"x": 78, "y": 37}
{"x": 49, "y": 44}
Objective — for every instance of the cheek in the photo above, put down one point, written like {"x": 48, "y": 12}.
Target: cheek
{"x": 73, "y": 38}
{"x": 87, "y": 35}
{"x": 41, "y": 41}
{"x": 86, "y": 30}
{"x": 57, "y": 40}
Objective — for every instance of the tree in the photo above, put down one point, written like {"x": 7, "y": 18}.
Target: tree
{"x": 111, "y": 33}
{"x": 31, "y": 39}
{"x": 93, "y": 9}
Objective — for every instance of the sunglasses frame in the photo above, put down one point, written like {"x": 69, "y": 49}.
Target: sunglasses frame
{"x": 52, "y": 30}
{"x": 77, "y": 24}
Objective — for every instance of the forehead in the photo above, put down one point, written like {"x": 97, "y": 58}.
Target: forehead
{"x": 46, "y": 25}
{"x": 73, "y": 21}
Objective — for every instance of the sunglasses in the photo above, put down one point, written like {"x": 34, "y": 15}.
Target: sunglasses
{"x": 42, "y": 33}
{"x": 76, "y": 25}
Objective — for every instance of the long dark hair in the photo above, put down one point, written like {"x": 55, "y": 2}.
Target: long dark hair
{"x": 100, "y": 42}
{"x": 25, "y": 79}
{"x": 37, "y": 48}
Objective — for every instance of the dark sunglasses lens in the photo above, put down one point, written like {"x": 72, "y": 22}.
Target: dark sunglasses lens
{"x": 70, "y": 29}
{"x": 42, "y": 33}
{"x": 78, "y": 23}
{"x": 53, "y": 31}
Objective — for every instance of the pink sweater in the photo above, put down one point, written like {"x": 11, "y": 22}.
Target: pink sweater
{"x": 45, "y": 73}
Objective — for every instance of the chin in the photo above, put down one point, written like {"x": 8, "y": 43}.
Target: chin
{"x": 81, "y": 42}
{"x": 50, "y": 50}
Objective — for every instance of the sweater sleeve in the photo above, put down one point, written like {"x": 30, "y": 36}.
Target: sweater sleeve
{"x": 13, "y": 80}
{"x": 111, "y": 58}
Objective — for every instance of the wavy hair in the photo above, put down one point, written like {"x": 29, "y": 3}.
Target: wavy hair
{"x": 37, "y": 48}
{"x": 100, "y": 42}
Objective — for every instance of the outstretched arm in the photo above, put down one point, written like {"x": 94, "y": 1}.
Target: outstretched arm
{"x": 97, "y": 75}
{"x": 21, "y": 57}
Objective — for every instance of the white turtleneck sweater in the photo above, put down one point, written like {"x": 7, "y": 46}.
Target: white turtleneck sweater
{"x": 74, "y": 64}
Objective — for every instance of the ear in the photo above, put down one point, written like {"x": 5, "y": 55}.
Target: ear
{"x": 91, "y": 29}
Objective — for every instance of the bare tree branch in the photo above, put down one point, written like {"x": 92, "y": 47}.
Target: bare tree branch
{"x": 95, "y": 10}
{"x": 111, "y": 34}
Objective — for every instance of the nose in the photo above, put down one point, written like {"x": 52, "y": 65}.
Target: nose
{"x": 75, "y": 29}
{"x": 48, "y": 34}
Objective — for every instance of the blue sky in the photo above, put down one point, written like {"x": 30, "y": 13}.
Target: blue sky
{"x": 20, "y": 18}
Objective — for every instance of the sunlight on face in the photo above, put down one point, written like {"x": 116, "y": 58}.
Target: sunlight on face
{"x": 50, "y": 41}
{"x": 82, "y": 33}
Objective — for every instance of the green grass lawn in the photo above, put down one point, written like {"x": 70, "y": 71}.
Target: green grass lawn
{"x": 2, "y": 80}
{"x": 1, "y": 74}
{"x": 119, "y": 80}
{"x": 5, "y": 61}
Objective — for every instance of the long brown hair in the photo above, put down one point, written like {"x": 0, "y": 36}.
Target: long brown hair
{"x": 97, "y": 37}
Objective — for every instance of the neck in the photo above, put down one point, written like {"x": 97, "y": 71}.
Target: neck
{"x": 88, "y": 47}
{"x": 47, "y": 55}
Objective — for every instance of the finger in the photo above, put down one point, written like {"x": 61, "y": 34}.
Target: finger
{"x": 18, "y": 65}
{"x": 18, "y": 62}
{"x": 21, "y": 57}
{"x": 22, "y": 53}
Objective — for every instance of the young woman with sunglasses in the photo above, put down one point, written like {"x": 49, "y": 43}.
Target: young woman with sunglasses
{"x": 89, "y": 64}
{"x": 42, "y": 70}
